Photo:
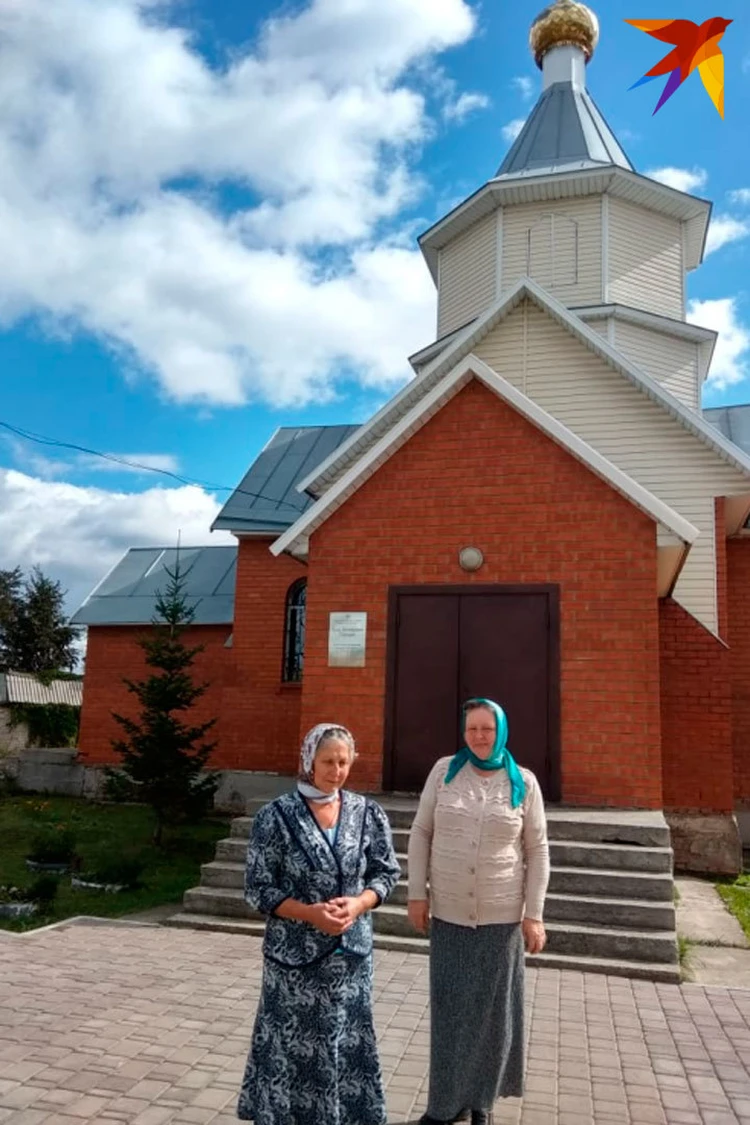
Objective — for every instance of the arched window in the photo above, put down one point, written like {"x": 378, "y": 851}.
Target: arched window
{"x": 294, "y": 632}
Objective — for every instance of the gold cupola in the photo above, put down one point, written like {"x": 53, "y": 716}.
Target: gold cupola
{"x": 565, "y": 23}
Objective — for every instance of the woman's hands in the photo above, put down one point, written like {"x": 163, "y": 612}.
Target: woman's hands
{"x": 534, "y": 936}
{"x": 338, "y": 914}
{"x": 327, "y": 918}
{"x": 418, "y": 910}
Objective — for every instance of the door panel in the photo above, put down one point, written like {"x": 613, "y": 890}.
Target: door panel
{"x": 448, "y": 644}
{"x": 426, "y": 686}
{"x": 504, "y": 655}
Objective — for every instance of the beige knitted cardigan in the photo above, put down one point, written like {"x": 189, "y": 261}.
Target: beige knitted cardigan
{"x": 486, "y": 862}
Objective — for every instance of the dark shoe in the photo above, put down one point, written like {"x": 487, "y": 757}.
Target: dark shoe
{"x": 425, "y": 1119}
{"x": 481, "y": 1117}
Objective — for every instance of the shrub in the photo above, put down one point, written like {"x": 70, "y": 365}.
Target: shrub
{"x": 122, "y": 870}
{"x": 43, "y": 890}
{"x": 53, "y": 844}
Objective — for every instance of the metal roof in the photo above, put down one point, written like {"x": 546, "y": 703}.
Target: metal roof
{"x": 267, "y": 498}
{"x": 128, "y": 594}
{"x": 23, "y": 687}
{"x": 733, "y": 422}
{"x": 565, "y": 132}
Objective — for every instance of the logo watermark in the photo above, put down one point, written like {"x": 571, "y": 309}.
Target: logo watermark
{"x": 695, "y": 47}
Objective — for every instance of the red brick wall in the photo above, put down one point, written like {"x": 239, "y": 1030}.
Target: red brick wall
{"x": 477, "y": 473}
{"x": 722, "y": 592}
{"x": 258, "y": 728}
{"x": 738, "y": 567}
{"x": 695, "y": 714}
{"x": 112, "y": 653}
{"x": 260, "y": 715}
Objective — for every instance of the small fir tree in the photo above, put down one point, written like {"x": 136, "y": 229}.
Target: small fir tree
{"x": 34, "y": 632}
{"x": 164, "y": 754}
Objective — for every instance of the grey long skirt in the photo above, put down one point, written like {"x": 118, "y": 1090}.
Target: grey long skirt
{"x": 476, "y": 1017}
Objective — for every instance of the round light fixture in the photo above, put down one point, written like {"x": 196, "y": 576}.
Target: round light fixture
{"x": 470, "y": 558}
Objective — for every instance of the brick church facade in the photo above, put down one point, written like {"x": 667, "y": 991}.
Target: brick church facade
{"x": 543, "y": 514}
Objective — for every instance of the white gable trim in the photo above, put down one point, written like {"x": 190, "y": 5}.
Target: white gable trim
{"x": 683, "y": 329}
{"x": 677, "y": 529}
{"x": 474, "y": 332}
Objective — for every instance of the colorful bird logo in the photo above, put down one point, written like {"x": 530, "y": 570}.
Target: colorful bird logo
{"x": 694, "y": 47}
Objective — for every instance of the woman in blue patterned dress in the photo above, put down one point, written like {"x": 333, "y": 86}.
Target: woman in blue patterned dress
{"x": 319, "y": 860}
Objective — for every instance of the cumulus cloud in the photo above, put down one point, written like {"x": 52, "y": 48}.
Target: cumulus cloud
{"x": 118, "y": 138}
{"x": 77, "y": 534}
{"x": 682, "y": 179}
{"x": 732, "y": 354}
{"x": 741, "y": 195}
{"x": 724, "y": 229}
{"x": 525, "y": 86}
{"x": 512, "y": 129}
{"x": 465, "y": 105}
{"x": 131, "y": 462}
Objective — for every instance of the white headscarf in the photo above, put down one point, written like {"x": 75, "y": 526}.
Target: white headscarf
{"x": 310, "y": 746}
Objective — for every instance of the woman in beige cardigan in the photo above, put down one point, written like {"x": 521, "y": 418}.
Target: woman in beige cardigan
{"x": 480, "y": 835}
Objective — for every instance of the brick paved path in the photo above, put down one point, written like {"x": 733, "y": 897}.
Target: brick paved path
{"x": 146, "y": 1025}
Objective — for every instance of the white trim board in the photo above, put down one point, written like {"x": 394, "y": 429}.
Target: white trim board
{"x": 679, "y": 531}
{"x": 466, "y": 341}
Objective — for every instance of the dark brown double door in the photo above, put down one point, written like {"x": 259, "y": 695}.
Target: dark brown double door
{"x": 450, "y": 643}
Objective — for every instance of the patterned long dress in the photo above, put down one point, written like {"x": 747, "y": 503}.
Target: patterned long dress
{"x": 313, "y": 1056}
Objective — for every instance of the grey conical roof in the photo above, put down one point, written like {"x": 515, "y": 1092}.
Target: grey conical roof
{"x": 565, "y": 133}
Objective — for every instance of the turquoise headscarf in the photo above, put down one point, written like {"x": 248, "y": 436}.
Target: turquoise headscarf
{"x": 500, "y": 758}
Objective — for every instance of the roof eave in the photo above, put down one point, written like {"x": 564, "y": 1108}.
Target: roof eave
{"x": 691, "y": 209}
{"x": 681, "y": 328}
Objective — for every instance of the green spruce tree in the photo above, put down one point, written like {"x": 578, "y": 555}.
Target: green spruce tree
{"x": 164, "y": 755}
{"x": 34, "y": 632}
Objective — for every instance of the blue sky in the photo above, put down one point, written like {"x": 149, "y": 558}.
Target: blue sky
{"x": 208, "y": 216}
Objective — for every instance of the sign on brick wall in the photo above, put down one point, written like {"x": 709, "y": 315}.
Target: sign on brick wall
{"x": 347, "y": 640}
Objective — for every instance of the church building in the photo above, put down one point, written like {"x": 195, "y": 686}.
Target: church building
{"x": 542, "y": 515}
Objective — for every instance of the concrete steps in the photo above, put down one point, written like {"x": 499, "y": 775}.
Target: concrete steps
{"x": 666, "y": 973}
{"x": 610, "y": 906}
{"x": 228, "y": 870}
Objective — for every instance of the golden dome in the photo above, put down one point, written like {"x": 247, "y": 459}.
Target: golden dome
{"x": 565, "y": 23}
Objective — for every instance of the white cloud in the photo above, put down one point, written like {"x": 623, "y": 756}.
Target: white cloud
{"x": 76, "y": 534}
{"x": 512, "y": 129}
{"x": 732, "y": 354}
{"x": 26, "y": 455}
{"x": 525, "y": 86}
{"x": 464, "y": 105}
{"x": 117, "y": 138}
{"x": 741, "y": 195}
{"x": 130, "y": 463}
{"x": 682, "y": 179}
{"x": 724, "y": 229}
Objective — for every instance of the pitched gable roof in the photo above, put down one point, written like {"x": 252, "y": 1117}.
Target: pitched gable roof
{"x": 463, "y": 344}
{"x": 266, "y": 499}
{"x": 128, "y": 594}
{"x": 676, "y": 533}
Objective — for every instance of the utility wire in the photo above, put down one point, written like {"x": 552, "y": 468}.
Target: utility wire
{"x": 40, "y": 439}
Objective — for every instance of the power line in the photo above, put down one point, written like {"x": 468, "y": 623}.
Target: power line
{"x": 40, "y": 439}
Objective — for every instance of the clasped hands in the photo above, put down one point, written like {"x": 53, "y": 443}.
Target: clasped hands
{"x": 336, "y": 915}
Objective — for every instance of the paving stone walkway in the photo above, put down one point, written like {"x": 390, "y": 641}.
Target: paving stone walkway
{"x": 145, "y": 1025}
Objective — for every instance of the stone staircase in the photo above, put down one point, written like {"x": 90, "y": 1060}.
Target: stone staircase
{"x": 610, "y": 906}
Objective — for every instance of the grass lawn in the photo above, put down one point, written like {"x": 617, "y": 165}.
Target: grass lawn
{"x": 736, "y": 895}
{"x": 113, "y": 829}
